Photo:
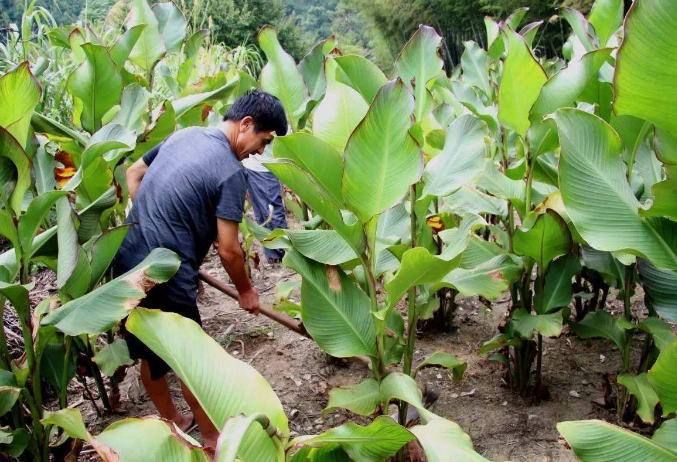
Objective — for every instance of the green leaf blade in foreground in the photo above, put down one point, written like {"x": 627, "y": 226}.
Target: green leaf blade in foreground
{"x": 546, "y": 240}
{"x": 660, "y": 287}
{"x": 597, "y": 441}
{"x": 19, "y": 94}
{"x": 443, "y": 441}
{"x": 606, "y": 16}
{"x": 646, "y": 397}
{"x": 171, "y": 25}
{"x": 96, "y": 85}
{"x": 381, "y": 158}
{"x": 558, "y": 290}
{"x": 102, "y": 308}
{"x": 597, "y": 196}
{"x": 361, "y": 399}
{"x": 224, "y": 386}
{"x": 335, "y": 311}
{"x": 662, "y": 378}
{"x": 11, "y": 148}
{"x": 462, "y": 159}
{"x": 312, "y": 67}
{"x": 522, "y": 80}
{"x": 648, "y": 49}
{"x": 150, "y": 47}
{"x": 360, "y": 74}
{"x": 280, "y": 76}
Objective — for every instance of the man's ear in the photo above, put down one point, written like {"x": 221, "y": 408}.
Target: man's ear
{"x": 246, "y": 123}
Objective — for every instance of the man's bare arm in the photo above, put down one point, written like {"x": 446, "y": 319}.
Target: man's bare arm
{"x": 135, "y": 174}
{"x": 232, "y": 258}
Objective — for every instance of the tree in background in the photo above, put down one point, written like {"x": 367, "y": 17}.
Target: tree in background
{"x": 64, "y": 11}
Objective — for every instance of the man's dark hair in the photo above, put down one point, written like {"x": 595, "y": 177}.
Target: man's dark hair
{"x": 264, "y": 108}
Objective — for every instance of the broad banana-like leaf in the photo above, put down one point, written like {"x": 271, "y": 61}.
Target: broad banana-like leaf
{"x": 666, "y": 435}
{"x": 339, "y": 112}
{"x": 647, "y": 50}
{"x": 521, "y": 84}
{"x": 600, "y": 324}
{"x": 663, "y": 192}
{"x": 361, "y": 399}
{"x": 446, "y": 360}
{"x": 394, "y": 225}
{"x": 133, "y": 106}
{"x": 307, "y": 189}
{"x": 499, "y": 185}
{"x": 612, "y": 270}
{"x": 360, "y": 74}
{"x": 323, "y": 245}
{"x": 318, "y": 158}
{"x": 113, "y": 356}
{"x": 660, "y": 287}
{"x": 639, "y": 387}
{"x": 171, "y": 25}
{"x": 546, "y": 240}
{"x": 529, "y": 32}
{"x": 103, "y": 251}
{"x": 8, "y": 230}
{"x": 73, "y": 268}
{"x": 418, "y": 267}
{"x": 557, "y": 291}
{"x": 90, "y": 216}
{"x": 191, "y": 49}
{"x": 418, "y": 62}
{"x": 583, "y": 31}
{"x": 55, "y": 130}
{"x": 400, "y": 386}
{"x": 312, "y": 67}
{"x": 335, "y": 311}
{"x": 43, "y": 168}
{"x": 164, "y": 124}
{"x": 373, "y": 443}
{"x": 186, "y": 103}
{"x": 490, "y": 279}
{"x": 548, "y": 325}
{"x": 381, "y": 158}
{"x": 479, "y": 251}
{"x": 443, "y": 441}
{"x": 102, "y": 308}
{"x": 461, "y": 161}
{"x": 659, "y": 330}
{"x": 96, "y": 86}
{"x": 281, "y": 78}
{"x": 33, "y": 218}
{"x": 201, "y": 363}
{"x": 19, "y": 94}
{"x": 234, "y": 432}
{"x": 597, "y": 196}
{"x": 467, "y": 199}
{"x": 124, "y": 45}
{"x": 457, "y": 239}
{"x": 10, "y": 148}
{"x": 606, "y": 16}
{"x": 563, "y": 88}
{"x": 9, "y": 391}
{"x": 662, "y": 378}
{"x": 475, "y": 67}
{"x": 150, "y": 47}
{"x": 597, "y": 441}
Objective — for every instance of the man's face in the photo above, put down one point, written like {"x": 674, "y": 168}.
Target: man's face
{"x": 249, "y": 141}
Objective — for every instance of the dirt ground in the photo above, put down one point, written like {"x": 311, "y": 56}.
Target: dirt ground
{"x": 503, "y": 427}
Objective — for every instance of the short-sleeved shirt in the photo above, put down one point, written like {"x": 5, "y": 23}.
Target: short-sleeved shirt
{"x": 193, "y": 177}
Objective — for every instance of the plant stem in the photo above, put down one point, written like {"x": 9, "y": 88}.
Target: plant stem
{"x": 63, "y": 399}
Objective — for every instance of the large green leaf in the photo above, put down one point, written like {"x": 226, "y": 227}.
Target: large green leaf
{"x": 335, "y": 311}
{"x": 19, "y": 94}
{"x": 201, "y": 363}
{"x": 34, "y": 216}
{"x": 639, "y": 387}
{"x": 475, "y": 68}
{"x": 549, "y": 325}
{"x": 490, "y": 279}
{"x": 648, "y": 49}
{"x": 113, "y": 356}
{"x": 418, "y": 62}
{"x": 124, "y": 45}
{"x": 557, "y": 291}
{"x": 445, "y": 441}
{"x": 662, "y": 378}
{"x": 150, "y": 47}
{"x": 318, "y": 158}
{"x": 323, "y": 245}
{"x": 600, "y": 324}
{"x": 234, "y": 432}
{"x": 597, "y": 196}
{"x": 10, "y": 148}
{"x": 467, "y": 199}
{"x": 376, "y": 442}
{"x": 521, "y": 84}
{"x": 281, "y": 78}
{"x": 73, "y": 269}
{"x": 96, "y": 86}
{"x": 171, "y": 25}
{"x": 186, "y": 103}
{"x": 9, "y": 391}
{"x": 133, "y": 106}
{"x": 462, "y": 159}
{"x": 446, "y": 360}
{"x": 597, "y": 441}
{"x": 381, "y": 158}
{"x": 360, "y": 74}
{"x": 660, "y": 287}
{"x": 606, "y": 16}
{"x": 666, "y": 435}
{"x": 660, "y": 331}
{"x": 361, "y": 399}
{"x": 312, "y": 67}
{"x": 102, "y": 308}
{"x": 546, "y": 240}
{"x": 339, "y": 112}
{"x": 103, "y": 251}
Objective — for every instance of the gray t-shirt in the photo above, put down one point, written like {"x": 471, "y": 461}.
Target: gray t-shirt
{"x": 193, "y": 177}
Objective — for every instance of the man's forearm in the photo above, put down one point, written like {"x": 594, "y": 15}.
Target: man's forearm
{"x": 233, "y": 262}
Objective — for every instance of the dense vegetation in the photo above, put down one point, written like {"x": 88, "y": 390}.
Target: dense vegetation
{"x": 549, "y": 178}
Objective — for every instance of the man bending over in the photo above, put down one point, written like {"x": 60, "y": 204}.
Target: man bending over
{"x": 193, "y": 193}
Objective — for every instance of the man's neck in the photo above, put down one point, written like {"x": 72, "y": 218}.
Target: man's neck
{"x": 230, "y": 129}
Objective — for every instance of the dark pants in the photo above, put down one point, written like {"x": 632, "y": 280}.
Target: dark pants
{"x": 265, "y": 191}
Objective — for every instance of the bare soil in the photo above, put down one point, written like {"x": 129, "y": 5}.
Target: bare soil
{"x": 503, "y": 426}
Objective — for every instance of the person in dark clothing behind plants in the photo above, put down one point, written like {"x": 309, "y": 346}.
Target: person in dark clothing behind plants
{"x": 265, "y": 194}
{"x": 188, "y": 192}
